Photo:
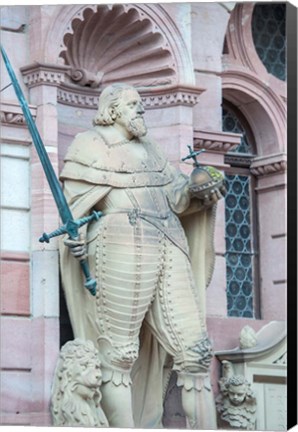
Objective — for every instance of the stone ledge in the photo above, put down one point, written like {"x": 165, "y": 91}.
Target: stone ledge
{"x": 170, "y": 96}
{"x": 37, "y": 74}
{"x": 222, "y": 142}
{"x": 272, "y": 164}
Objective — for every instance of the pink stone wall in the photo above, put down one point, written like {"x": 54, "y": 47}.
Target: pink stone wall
{"x": 186, "y": 111}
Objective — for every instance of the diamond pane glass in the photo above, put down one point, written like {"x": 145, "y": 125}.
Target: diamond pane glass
{"x": 231, "y": 124}
{"x": 238, "y": 232}
{"x": 269, "y": 35}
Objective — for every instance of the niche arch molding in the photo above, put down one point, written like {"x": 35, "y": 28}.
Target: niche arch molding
{"x": 263, "y": 108}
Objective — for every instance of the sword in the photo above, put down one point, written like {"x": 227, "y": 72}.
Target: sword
{"x": 70, "y": 225}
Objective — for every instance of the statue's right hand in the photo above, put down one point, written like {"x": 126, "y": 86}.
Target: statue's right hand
{"x": 77, "y": 247}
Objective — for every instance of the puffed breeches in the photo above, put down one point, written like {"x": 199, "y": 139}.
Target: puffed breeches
{"x": 143, "y": 277}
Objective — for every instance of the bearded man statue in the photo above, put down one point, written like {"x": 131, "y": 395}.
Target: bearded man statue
{"x": 152, "y": 256}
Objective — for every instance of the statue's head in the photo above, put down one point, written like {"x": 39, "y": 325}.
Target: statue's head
{"x": 237, "y": 389}
{"x": 121, "y": 105}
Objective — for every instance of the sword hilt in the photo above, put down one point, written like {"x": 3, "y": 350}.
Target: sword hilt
{"x": 71, "y": 228}
{"x": 45, "y": 238}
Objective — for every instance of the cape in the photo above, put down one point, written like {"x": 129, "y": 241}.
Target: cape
{"x": 92, "y": 168}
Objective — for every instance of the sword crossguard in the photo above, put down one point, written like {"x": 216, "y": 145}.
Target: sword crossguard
{"x": 71, "y": 228}
{"x": 193, "y": 155}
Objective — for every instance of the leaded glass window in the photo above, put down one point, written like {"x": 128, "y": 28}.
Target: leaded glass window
{"x": 269, "y": 36}
{"x": 239, "y": 252}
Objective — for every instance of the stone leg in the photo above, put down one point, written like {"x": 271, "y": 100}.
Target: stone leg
{"x": 117, "y": 404}
{"x": 117, "y": 401}
{"x": 197, "y": 400}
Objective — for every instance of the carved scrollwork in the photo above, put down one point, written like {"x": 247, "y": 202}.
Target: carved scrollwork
{"x": 12, "y": 118}
{"x": 86, "y": 78}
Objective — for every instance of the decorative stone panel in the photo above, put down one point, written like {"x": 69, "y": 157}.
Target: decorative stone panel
{"x": 12, "y": 114}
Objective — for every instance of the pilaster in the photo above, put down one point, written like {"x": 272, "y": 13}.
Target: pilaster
{"x": 271, "y": 186}
{"x": 43, "y": 82}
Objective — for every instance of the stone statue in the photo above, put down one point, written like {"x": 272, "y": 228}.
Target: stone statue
{"x": 236, "y": 402}
{"x": 76, "y": 393}
{"x": 148, "y": 315}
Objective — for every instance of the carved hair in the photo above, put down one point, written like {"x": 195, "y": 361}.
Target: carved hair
{"x": 237, "y": 380}
{"x": 108, "y": 104}
{"x": 69, "y": 408}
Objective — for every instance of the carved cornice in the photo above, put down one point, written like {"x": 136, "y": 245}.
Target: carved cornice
{"x": 275, "y": 164}
{"x": 40, "y": 74}
{"x": 71, "y": 95}
{"x": 222, "y": 142}
{"x": 154, "y": 98}
{"x": 170, "y": 96}
{"x": 239, "y": 159}
{"x": 11, "y": 114}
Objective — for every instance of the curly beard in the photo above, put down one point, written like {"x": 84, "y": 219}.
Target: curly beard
{"x": 136, "y": 127}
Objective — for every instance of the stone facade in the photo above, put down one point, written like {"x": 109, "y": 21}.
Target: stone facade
{"x": 185, "y": 59}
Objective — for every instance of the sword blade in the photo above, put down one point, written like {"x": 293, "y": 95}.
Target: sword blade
{"x": 53, "y": 181}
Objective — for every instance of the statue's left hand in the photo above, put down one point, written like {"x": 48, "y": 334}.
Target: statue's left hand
{"x": 214, "y": 195}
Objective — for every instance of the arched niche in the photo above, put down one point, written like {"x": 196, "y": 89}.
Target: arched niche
{"x": 134, "y": 43}
{"x": 261, "y": 106}
{"x": 240, "y": 48}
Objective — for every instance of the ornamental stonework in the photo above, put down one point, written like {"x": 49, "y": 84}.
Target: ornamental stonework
{"x": 270, "y": 168}
{"x": 97, "y": 53}
{"x": 217, "y": 141}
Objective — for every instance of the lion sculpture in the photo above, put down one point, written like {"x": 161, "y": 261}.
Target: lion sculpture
{"x": 76, "y": 395}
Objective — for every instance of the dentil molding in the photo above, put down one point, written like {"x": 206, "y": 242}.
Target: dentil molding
{"x": 44, "y": 74}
